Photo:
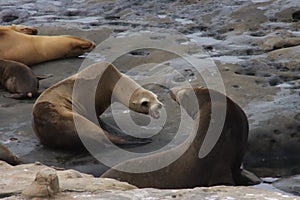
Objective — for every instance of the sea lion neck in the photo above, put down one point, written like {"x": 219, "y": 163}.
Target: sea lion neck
{"x": 106, "y": 85}
{"x": 126, "y": 87}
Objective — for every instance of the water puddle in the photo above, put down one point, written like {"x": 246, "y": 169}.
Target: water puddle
{"x": 184, "y": 21}
{"x": 200, "y": 40}
{"x": 82, "y": 20}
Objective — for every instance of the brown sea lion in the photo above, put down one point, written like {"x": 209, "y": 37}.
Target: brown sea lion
{"x": 29, "y": 30}
{"x": 19, "y": 79}
{"x": 61, "y": 106}
{"x": 222, "y": 165}
{"x": 7, "y": 156}
{"x": 33, "y": 49}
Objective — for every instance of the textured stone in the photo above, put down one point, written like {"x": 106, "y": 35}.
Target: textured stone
{"x": 76, "y": 185}
{"x": 46, "y": 184}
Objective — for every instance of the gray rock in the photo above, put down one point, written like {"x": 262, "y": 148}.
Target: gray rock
{"x": 290, "y": 184}
{"x": 46, "y": 184}
{"x": 77, "y": 185}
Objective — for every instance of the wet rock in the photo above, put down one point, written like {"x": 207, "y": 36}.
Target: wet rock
{"x": 278, "y": 42}
{"x": 290, "y": 184}
{"x": 296, "y": 16}
{"x": 249, "y": 18}
{"x": 73, "y": 12}
{"x": 274, "y": 80}
{"x": 287, "y": 57}
{"x": 278, "y": 133}
{"x": 288, "y": 14}
{"x": 82, "y": 186}
{"x": 46, "y": 184}
{"x": 8, "y": 15}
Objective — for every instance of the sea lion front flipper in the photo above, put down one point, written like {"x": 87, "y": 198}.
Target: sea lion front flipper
{"x": 110, "y": 128}
{"x": 117, "y": 136}
{"x": 43, "y": 76}
{"x": 221, "y": 175}
{"x": 246, "y": 177}
{"x": 122, "y": 140}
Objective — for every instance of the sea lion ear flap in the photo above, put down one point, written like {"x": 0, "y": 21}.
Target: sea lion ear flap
{"x": 41, "y": 77}
{"x": 141, "y": 101}
{"x": 144, "y": 101}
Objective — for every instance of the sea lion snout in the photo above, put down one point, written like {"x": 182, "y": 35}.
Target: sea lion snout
{"x": 80, "y": 46}
{"x": 88, "y": 46}
{"x": 154, "y": 110}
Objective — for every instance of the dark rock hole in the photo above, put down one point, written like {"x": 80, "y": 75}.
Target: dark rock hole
{"x": 139, "y": 53}
{"x": 296, "y": 15}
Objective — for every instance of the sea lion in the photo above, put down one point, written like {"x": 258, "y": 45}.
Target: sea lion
{"x": 19, "y": 79}
{"x": 7, "y": 156}
{"x": 221, "y": 166}
{"x": 33, "y": 49}
{"x": 29, "y": 30}
{"x": 59, "y": 107}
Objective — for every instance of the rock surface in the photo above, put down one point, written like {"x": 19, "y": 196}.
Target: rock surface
{"x": 255, "y": 45}
{"x": 46, "y": 184}
{"x": 76, "y": 185}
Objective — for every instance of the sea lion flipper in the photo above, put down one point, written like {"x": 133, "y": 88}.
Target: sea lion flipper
{"x": 119, "y": 137}
{"x": 110, "y": 128}
{"x": 246, "y": 177}
{"x": 43, "y": 76}
{"x": 22, "y": 96}
{"x": 15, "y": 96}
{"x": 127, "y": 140}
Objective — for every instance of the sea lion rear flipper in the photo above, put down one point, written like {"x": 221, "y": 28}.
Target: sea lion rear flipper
{"x": 15, "y": 96}
{"x": 246, "y": 177}
{"x": 43, "y": 76}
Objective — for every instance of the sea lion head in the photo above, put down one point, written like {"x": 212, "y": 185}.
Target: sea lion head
{"x": 146, "y": 102}
{"x": 19, "y": 80}
{"x": 78, "y": 46}
{"x": 21, "y": 89}
{"x": 187, "y": 97}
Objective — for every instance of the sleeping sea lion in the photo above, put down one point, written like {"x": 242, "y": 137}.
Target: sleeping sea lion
{"x": 7, "y": 156}
{"x": 33, "y": 49}
{"x": 59, "y": 107}
{"x": 19, "y": 80}
{"x": 222, "y": 165}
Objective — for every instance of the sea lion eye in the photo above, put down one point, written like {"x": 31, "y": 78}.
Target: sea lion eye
{"x": 145, "y": 104}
